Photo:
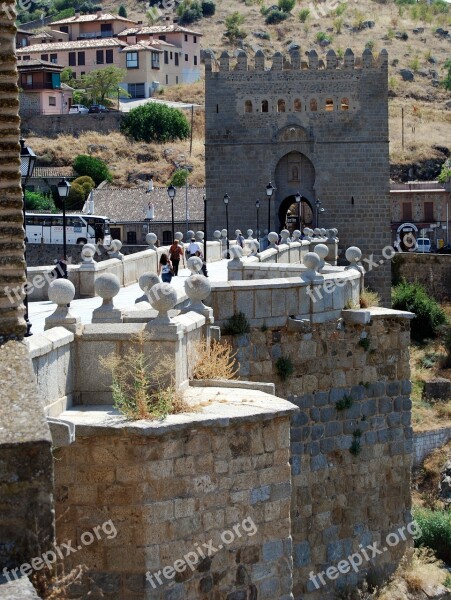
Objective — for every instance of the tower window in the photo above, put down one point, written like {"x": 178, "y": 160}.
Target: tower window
{"x": 281, "y": 106}
{"x": 329, "y": 105}
{"x": 297, "y": 105}
{"x": 265, "y": 107}
{"x": 344, "y": 104}
{"x": 248, "y": 106}
{"x": 313, "y": 105}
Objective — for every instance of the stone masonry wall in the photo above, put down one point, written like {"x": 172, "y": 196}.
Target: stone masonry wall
{"x": 433, "y": 271}
{"x": 340, "y": 500}
{"x": 168, "y": 495}
{"x": 425, "y": 442}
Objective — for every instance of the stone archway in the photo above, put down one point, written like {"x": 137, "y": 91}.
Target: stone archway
{"x": 294, "y": 174}
{"x": 289, "y": 213}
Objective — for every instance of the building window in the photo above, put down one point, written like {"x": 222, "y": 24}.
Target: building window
{"x": 109, "y": 57}
{"x": 429, "y": 211}
{"x": 406, "y": 211}
{"x": 176, "y": 59}
{"x": 170, "y": 55}
{"x": 45, "y": 57}
{"x": 162, "y": 37}
{"x": 265, "y": 107}
{"x": 195, "y": 61}
{"x": 297, "y": 105}
{"x": 54, "y": 58}
{"x": 72, "y": 59}
{"x": 52, "y": 100}
{"x": 176, "y": 79}
{"x": 81, "y": 59}
{"x": 132, "y": 60}
{"x": 64, "y": 29}
{"x": 167, "y": 79}
{"x": 186, "y": 38}
{"x": 167, "y": 238}
{"x": 26, "y": 57}
{"x": 281, "y": 106}
{"x": 131, "y": 237}
{"x": 82, "y": 74}
{"x": 166, "y": 57}
{"x": 186, "y": 57}
{"x": 313, "y": 105}
{"x": 99, "y": 57}
{"x": 248, "y": 106}
{"x": 29, "y": 79}
{"x": 329, "y": 105}
{"x": 344, "y": 104}
{"x": 155, "y": 60}
{"x": 195, "y": 39}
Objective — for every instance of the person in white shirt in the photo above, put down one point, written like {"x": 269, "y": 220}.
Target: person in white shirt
{"x": 193, "y": 247}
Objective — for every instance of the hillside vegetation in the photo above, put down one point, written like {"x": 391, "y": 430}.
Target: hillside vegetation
{"x": 406, "y": 28}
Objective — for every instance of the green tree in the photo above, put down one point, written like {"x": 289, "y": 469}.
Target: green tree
{"x": 233, "y": 31}
{"x": 122, "y": 12}
{"x": 76, "y": 198}
{"x": 153, "y": 122}
{"x": 67, "y": 76}
{"x": 39, "y": 201}
{"x": 208, "y": 8}
{"x": 445, "y": 173}
{"x": 179, "y": 178}
{"x": 286, "y": 5}
{"x": 189, "y": 11}
{"x": 447, "y": 81}
{"x": 93, "y": 167}
{"x": 104, "y": 83}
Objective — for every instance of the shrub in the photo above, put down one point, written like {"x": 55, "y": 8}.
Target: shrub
{"x": 284, "y": 367}
{"x": 286, "y": 5}
{"x": 304, "y": 15}
{"x": 76, "y": 198}
{"x": 237, "y": 324}
{"x": 446, "y": 361}
{"x": 189, "y": 12}
{"x": 323, "y": 37}
{"x": 356, "y": 447}
{"x": 435, "y": 531}
{"x": 275, "y": 16}
{"x": 155, "y": 123}
{"x": 140, "y": 389}
{"x": 340, "y": 9}
{"x": 122, "y": 12}
{"x": 338, "y": 24}
{"x": 233, "y": 31}
{"x": 369, "y": 298}
{"x": 179, "y": 178}
{"x": 214, "y": 361}
{"x": 344, "y": 403}
{"x": 95, "y": 168}
{"x": 429, "y": 314}
{"x": 208, "y": 8}
{"x": 445, "y": 173}
{"x": 39, "y": 201}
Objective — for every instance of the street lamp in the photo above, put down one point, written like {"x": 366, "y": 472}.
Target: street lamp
{"x": 27, "y": 164}
{"x": 205, "y": 229}
{"x": 269, "y": 192}
{"x": 257, "y": 206}
{"x": 118, "y": 101}
{"x": 297, "y": 197}
{"x": 226, "y": 202}
{"x": 171, "y": 193}
{"x": 63, "y": 193}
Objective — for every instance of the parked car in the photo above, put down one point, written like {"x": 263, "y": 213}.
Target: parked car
{"x": 445, "y": 249}
{"x": 78, "y": 109}
{"x": 423, "y": 245}
{"x": 98, "y": 108}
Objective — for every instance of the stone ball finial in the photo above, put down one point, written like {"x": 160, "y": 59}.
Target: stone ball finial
{"x": 308, "y": 232}
{"x": 335, "y": 231}
{"x": 197, "y": 288}
{"x": 189, "y": 234}
{"x": 249, "y": 234}
{"x": 115, "y": 245}
{"x": 317, "y": 232}
{"x": 285, "y": 234}
{"x": 323, "y": 232}
{"x": 163, "y": 297}
{"x": 194, "y": 264}
{"x": 353, "y": 255}
{"x": 178, "y": 235}
{"x": 236, "y": 252}
{"x": 224, "y": 233}
{"x": 147, "y": 281}
{"x": 311, "y": 260}
{"x": 87, "y": 253}
{"x": 107, "y": 286}
{"x": 199, "y": 236}
{"x": 272, "y": 239}
{"x": 296, "y": 235}
{"x": 61, "y": 292}
{"x": 151, "y": 239}
{"x": 321, "y": 250}
{"x": 217, "y": 234}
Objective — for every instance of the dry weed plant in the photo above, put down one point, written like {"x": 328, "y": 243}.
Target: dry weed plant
{"x": 216, "y": 360}
{"x": 143, "y": 388}
{"x": 51, "y": 586}
{"x": 369, "y": 298}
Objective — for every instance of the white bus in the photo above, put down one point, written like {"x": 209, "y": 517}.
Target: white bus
{"x": 47, "y": 228}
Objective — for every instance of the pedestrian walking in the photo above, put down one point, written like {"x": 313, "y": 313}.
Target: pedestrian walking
{"x": 175, "y": 256}
{"x": 165, "y": 268}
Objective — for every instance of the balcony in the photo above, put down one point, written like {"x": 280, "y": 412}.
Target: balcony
{"x": 38, "y": 86}
{"x": 92, "y": 35}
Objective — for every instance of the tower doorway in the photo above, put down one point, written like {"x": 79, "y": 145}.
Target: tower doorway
{"x": 293, "y": 216}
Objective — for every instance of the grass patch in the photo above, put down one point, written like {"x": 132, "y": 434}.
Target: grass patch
{"x": 435, "y": 527}
{"x": 284, "y": 367}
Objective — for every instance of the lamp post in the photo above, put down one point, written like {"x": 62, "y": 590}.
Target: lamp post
{"x": 205, "y": 229}
{"x": 269, "y": 192}
{"x": 257, "y": 206}
{"x": 297, "y": 197}
{"x": 63, "y": 192}
{"x": 27, "y": 163}
{"x": 171, "y": 193}
{"x": 226, "y": 202}
{"x": 118, "y": 101}
{"x": 319, "y": 210}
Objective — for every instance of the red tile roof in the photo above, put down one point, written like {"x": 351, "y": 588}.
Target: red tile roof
{"x": 103, "y": 43}
{"x": 92, "y": 18}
